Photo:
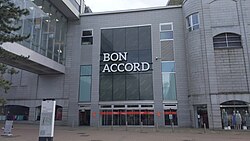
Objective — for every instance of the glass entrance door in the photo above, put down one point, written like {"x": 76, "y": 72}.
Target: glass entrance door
{"x": 106, "y": 117}
{"x": 119, "y": 117}
{"x": 84, "y": 118}
{"x": 202, "y": 116}
{"x": 133, "y": 116}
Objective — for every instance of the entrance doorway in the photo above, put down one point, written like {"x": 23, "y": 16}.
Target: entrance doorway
{"x": 202, "y": 116}
{"x": 84, "y": 117}
{"x": 133, "y": 115}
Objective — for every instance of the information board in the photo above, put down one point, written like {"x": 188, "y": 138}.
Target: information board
{"x": 8, "y": 127}
{"x": 47, "y": 119}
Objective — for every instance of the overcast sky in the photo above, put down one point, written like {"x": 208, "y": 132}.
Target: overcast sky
{"x": 111, "y": 5}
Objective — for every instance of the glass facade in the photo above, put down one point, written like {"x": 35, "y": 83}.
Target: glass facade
{"x": 168, "y": 80}
{"x": 85, "y": 83}
{"x": 133, "y": 85}
{"x": 47, "y": 28}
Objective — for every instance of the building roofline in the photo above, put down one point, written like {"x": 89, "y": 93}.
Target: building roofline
{"x": 131, "y": 10}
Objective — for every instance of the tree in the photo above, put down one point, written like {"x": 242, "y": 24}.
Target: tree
{"x": 10, "y": 16}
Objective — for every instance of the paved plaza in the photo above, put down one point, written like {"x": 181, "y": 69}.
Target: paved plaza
{"x": 23, "y": 132}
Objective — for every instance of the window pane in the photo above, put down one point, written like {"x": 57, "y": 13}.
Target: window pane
{"x": 132, "y": 42}
{"x": 195, "y": 19}
{"x": 87, "y": 40}
{"x": 234, "y": 44}
{"x": 145, "y": 56}
{"x": 132, "y": 56}
{"x": 233, "y": 39}
{"x": 85, "y": 88}
{"x": 220, "y": 45}
{"x": 146, "y": 87}
{"x": 227, "y": 40}
{"x": 86, "y": 70}
{"x": 167, "y": 50}
{"x": 87, "y": 33}
{"x": 132, "y": 87}
{"x": 166, "y": 35}
{"x": 166, "y": 27}
{"x": 189, "y": 20}
{"x": 196, "y": 27}
{"x": 119, "y": 87}
{"x": 168, "y": 66}
{"x": 119, "y": 39}
{"x": 106, "y": 88}
{"x": 107, "y": 40}
{"x": 145, "y": 37}
{"x": 219, "y": 39}
{"x": 169, "y": 88}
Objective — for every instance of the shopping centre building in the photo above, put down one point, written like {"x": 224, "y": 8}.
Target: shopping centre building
{"x": 175, "y": 64}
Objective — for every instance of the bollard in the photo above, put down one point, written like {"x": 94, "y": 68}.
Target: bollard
{"x": 73, "y": 124}
{"x": 205, "y": 128}
{"x": 112, "y": 126}
{"x": 141, "y": 126}
{"x": 172, "y": 125}
{"x": 126, "y": 128}
{"x": 98, "y": 125}
{"x": 157, "y": 127}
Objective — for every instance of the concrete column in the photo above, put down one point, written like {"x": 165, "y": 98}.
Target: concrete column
{"x": 32, "y": 114}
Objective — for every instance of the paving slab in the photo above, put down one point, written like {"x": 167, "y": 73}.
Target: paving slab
{"x": 28, "y": 132}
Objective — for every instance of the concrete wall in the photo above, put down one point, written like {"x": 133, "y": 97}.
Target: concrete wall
{"x": 208, "y": 69}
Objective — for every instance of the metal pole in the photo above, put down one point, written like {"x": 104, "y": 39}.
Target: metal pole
{"x": 205, "y": 128}
{"x": 73, "y": 124}
{"x": 141, "y": 127}
{"x": 157, "y": 127}
{"x": 172, "y": 125}
{"x": 112, "y": 126}
{"x": 126, "y": 128}
{"x": 98, "y": 124}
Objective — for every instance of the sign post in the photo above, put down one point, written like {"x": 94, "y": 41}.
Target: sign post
{"x": 47, "y": 120}
{"x": 7, "y": 128}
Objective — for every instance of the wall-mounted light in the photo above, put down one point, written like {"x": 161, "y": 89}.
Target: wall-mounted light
{"x": 157, "y": 58}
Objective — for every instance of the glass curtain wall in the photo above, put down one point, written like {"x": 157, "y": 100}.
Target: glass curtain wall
{"x": 47, "y": 28}
{"x": 121, "y": 86}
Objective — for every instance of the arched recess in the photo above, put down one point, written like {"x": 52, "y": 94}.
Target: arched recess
{"x": 58, "y": 112}
{"x": 16, "y": 112}
{"x": 227, "y": 40}
{"x": 230, "y": 110}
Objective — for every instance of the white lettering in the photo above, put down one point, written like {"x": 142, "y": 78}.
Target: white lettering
{"x": 106, "y": 57}
{"x": 123, "y": 57}
{"x": 128, "y": 67}
{"x": 143, "y": 66}
{"x": 114, "y": 57}
{"x": 119, "y": 67}
{"x": 122, "y": 67}
{"x": 106, "y": 67}
{"x": 111, "y": 68}
{"x": 136, "y": 67}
